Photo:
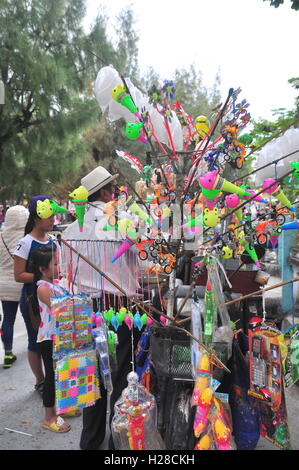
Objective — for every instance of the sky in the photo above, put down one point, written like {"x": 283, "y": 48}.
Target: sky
{"x": 252, "y": 45}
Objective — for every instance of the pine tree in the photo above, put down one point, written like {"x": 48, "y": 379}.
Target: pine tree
{"x": 46, "y": 67}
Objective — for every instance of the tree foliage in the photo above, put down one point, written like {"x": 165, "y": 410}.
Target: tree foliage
{"x": 50, "y": 125}
{"x": 46, "y": 67}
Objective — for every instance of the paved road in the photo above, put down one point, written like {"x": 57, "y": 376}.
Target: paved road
{"x": 21, "y": 409}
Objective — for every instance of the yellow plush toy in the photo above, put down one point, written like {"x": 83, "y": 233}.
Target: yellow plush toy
{"x": 44, "y": 209}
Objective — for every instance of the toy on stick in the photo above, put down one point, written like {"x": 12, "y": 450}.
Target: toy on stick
{"x": 80, "y": 199}
{"x": 276, "y": 191}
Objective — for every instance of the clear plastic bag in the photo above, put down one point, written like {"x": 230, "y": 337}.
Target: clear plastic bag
{"x": 134, "y": 424}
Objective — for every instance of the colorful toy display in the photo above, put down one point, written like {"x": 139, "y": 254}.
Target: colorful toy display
{"x": 77, "y": 381}
{"x": 76, "y": 371}
{"x": 186, "y": 220}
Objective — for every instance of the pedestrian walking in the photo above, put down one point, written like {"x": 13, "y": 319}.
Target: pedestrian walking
{"x": 10, "y": 290}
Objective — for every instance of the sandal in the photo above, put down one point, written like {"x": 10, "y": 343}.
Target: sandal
{"x": 39, "y": 387}
{"x": 57, "y": 425}
{"x": 71, "y": 414}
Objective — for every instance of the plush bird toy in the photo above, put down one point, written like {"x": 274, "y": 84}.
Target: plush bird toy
{"x": 47, "y": 208}
{"x": 202, "y": 127}
{"x": 120, "y": 95}
{"x": 80, "y": 199}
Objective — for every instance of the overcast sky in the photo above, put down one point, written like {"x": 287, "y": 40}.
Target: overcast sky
{"x": 254, "y": 46}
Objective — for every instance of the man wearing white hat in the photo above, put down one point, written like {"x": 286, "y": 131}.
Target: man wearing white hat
{"x": 99, "y": 246}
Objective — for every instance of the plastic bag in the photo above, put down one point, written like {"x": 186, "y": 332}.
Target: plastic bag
{"x": 274, "y": 150}
{"x": 134, "y": 425}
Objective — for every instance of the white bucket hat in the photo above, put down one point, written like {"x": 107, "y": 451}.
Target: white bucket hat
{"x": 96, "y": 179}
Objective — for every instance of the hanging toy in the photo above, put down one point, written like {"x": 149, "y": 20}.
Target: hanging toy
{"x": 80, "y": 199}
{"x": 212, "y": 184}
{"x": 144, "y": 319}
{"x": 120, "y": 95}
{"x": 130, "y": 240}
{"x": 276, "y": 191}
{"x": 137, "y": 321}
{"x": 134, "y": 424}
{"x": 114, "y": 322}
{"x": 232, "y": 201}
{"x": 222, "y": 435}
{"x": 210, "y": 218}
{"x": 44, "y": 209}
{"x": 295, "y": 166}
{"x": 108, "y": 315}
{"x": 252, "y": 253}
{"x": 129, "y": 320}
{"x": 193, "y": 222}
{"x": 226, "y": 252}
{"x": 252, "y": 193}
{"x": 169, "y": 89}
{"x": 121, "y": 315}
{"x": 100, "y": 335}
{"x": 134, "y": 131}
{"x": 202, "y": 126}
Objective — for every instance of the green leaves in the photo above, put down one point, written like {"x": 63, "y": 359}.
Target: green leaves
{"x": 46, "y": 68}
